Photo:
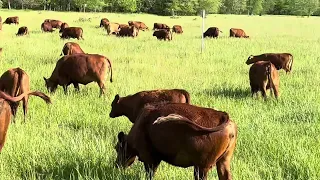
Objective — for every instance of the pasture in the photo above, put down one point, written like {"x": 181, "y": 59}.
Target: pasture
{"x": 74, "y": 138}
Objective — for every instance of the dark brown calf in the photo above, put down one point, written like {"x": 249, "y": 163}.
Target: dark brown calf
{"x": 103, "y": 22}
{"x": 131, "y": 31}
{"x": 54, "y": 23}
{"x": 63, "y": 26}
{"x": 212, "y": 32}
{"x": 163, "y": 34}
{"x": 279, "y": 60}
{"x": 22, "y": 31}
{"x": 238, "y": 33}
{"x": 5, "y": 110}
{"x": 70, "y": 48}
{"x": 131, "y": 105}
{"x": 46, "y": 27}
{"x": 72, "y": 32}
{"x": 16, "y": 82}
{"x": 12, "y": 20}
{"x": 263, "y": 75}
{"x": 181, "y": 135}
{"x": 139, "y": 25}
{"x": 177, "y": 29}
{"x": 160, "y": 26}
{"x": 79, "y": 69}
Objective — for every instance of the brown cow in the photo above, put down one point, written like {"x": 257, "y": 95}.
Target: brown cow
{"x": 160, "y": 26}
{"x": 103, "y": 22}
{"x": 163, "y": 34}
{"x": 0, "y": 51}
{"x": 128, "y": 31}
{"x": 177, "y": 29}
{"x": 12, "y": 20}
{"x": 79, "y": 69}
{"x": 15, "y": 82}
{"x": 131, "y": 105}
{"x": 5, "y": 110}
{"x": 54, "y": 23}
{"x": 212, "y": 32}
{"x": 112, "y": 28}
{"x": 0, "y": 23}
{"x": 63, "y": 26}
{"x": 70, "y": 48}
{"x": 22, "y": 31}
{"x": 123, "y": 26}
{"x": 279, "y": 60}
{"x": 238, "y": 33}
{"x": 72, "y": 32}
{"x": 139, "y": 25}
{"x": 263, "y": 75}
{"x": 46, "y": 27}
{"x": 182, "y": 135}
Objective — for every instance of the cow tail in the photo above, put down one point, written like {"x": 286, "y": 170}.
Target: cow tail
{"x": 7, "y": 97}
{"x": 110, "y": 69}
{"x": 269, "y": 68}
{"x": 187, "y": 96}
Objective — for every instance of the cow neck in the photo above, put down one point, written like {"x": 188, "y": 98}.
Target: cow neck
{"x": 128, "y": 109}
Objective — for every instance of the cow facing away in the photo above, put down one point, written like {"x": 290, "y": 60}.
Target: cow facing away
{"x": 5, "y": 110}
{"x": 22, "y": 31}
{"x": 72, "y": 32}
{"x": 177, "y": 29}
{"x": 63, "y": 26}
{"x": 263, "y": 75}
{"x": 79, "y": 69}
{"x": 163, "y": 34}
{"x": 157, "y": 26}
{"x": 131, "y": 105}
{"x": 139, "y": 25}
{"x": 16, "y": 82}
{"x": 279, "y": 60}
{"x": 212, "y": 32}
{"x": 131, "y": 31}
{"x": 181, "y": 135}
{"x": 46, "y": 27}
{"x": 12, "y": 20}
{"x": 103, "y": 22}
{"x": 238, "y": 33}
{"x": 70, "y": 48}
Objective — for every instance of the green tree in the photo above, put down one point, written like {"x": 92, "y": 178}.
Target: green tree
{"x": 211, "y": 6}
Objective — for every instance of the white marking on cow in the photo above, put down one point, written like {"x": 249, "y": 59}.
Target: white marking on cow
{"x": 170, "y": 117}
{"x": 290, "y": 63}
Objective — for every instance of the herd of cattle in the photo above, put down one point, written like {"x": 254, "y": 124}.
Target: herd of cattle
{"x": 166, "y": 126}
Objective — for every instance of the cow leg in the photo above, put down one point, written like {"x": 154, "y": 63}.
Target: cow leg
{"x": 25, "y": 107}
{"x": 200, "y": 173}
{"x": 76, "y": 86}
{"x": 65, "y": 89}
{"x": 223, "y": 165}
{"x": 276, "y": 91}
{"x": 151, "y": 169}
{"x": 102, "y": 87}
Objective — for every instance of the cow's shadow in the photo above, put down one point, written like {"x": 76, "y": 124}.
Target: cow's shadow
{"x": 235, "y": 93}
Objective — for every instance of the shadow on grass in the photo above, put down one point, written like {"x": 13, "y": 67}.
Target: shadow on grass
{"x": 236, "y": 93}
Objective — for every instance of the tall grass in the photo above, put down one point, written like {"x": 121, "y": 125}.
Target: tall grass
{"x": 74, "y": 137}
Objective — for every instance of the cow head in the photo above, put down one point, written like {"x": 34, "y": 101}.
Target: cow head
{"x": 51, "y": 86}
{"x": 250, "y": 58}
{"x": 125, "y": 154}
{"x": 116, "y": 109}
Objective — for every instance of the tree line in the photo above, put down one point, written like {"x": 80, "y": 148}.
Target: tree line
{"x": 174, "y": 7}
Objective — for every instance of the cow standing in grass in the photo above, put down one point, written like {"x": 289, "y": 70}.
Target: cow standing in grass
{"x": 46, "y": 27}
{"x": 238, "y": 33}
{"x": 70, "y": 48}
{"x": 12, "y": 20}
{"x": 279, "y": 60}
{"x": 72, "y": 32}
{"x": 22, "y": 31}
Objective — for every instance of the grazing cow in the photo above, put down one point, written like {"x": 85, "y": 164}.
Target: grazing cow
{"x": 238, "y": 33}
{"x": 0, "y": 23}
{"x": 70, "y": 48}
{"x": 15, "y": 82}
{"x": 279, "y": 60}
{"x": 123, "y": 26}
{"x": 177, "y": 29}
{"x": 72, "y": 32}
{"x": 54, "y": 23}
{"x": 263, "y": 75}
{"x": 160, "y": 26}
{"x": 12, "y": 20}
{"x": 112, "y": 28}
{"x": 104, "y": 22}
{"x": 46, "y": 27}
{"x": 128, "y": 31}
{"x": 182, "y": 135}
{"x": 22, "y": 31}
{"x": 63, "y": 26}
{"x": 5, "y": 110}
{"x": 131, "y": 105}
{"x": 79, "y": 69}
{"x": 212, "y": 32}
{"x": 139, "y": 25}
{"x": 163, "y": 34}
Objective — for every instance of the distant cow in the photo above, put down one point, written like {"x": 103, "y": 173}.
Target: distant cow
{"x": 79, "y": 69}
{"x": 12, "y": 20}
{"x": 279, "y": 60}
{"x": 72, "y": 32}
{"x": 131, "y": 31}
{"x": 123, "y": 26}
{"x": 63, "y": 26}
{"x": 46, "y": 27}
{"x": 54, "y": 23}
{"x": 239, "y": 33}
{"x": 182, "y": 135}
{"x": 163, "y": 34}
{"x": 112, "y": 28}
{"x": 139, "y": 25}
{"x": 22, "y": 31}
{"x": 160, "y": 26}
{"x": 131, "y": 105}
{"x": 263, "y": 75}
{"x": 16, "y": 82}
{"x": 212, "y": 32}
{"x": 6, "y": 112}
{"x": 177, "y": 29}
{"x": 70, "y": 48}
{"x": 103, "y": 22}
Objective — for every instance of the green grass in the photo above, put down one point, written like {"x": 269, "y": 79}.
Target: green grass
{"x": 74, "y": 137}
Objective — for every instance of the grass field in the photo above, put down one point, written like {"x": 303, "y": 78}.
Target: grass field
{"x": 74, "y": 137}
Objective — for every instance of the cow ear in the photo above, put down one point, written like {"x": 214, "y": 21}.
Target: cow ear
{"x": 121, "y": 136}
{"x": 45, "y": 79}
{"x": 117, "y": 97}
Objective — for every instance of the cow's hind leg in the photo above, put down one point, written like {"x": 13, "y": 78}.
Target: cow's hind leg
{"x": 200, "y": 173}
{"x": 102, "y": 88}
{"x": 76, "y": 86}
{"x": 151, "y": 169}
